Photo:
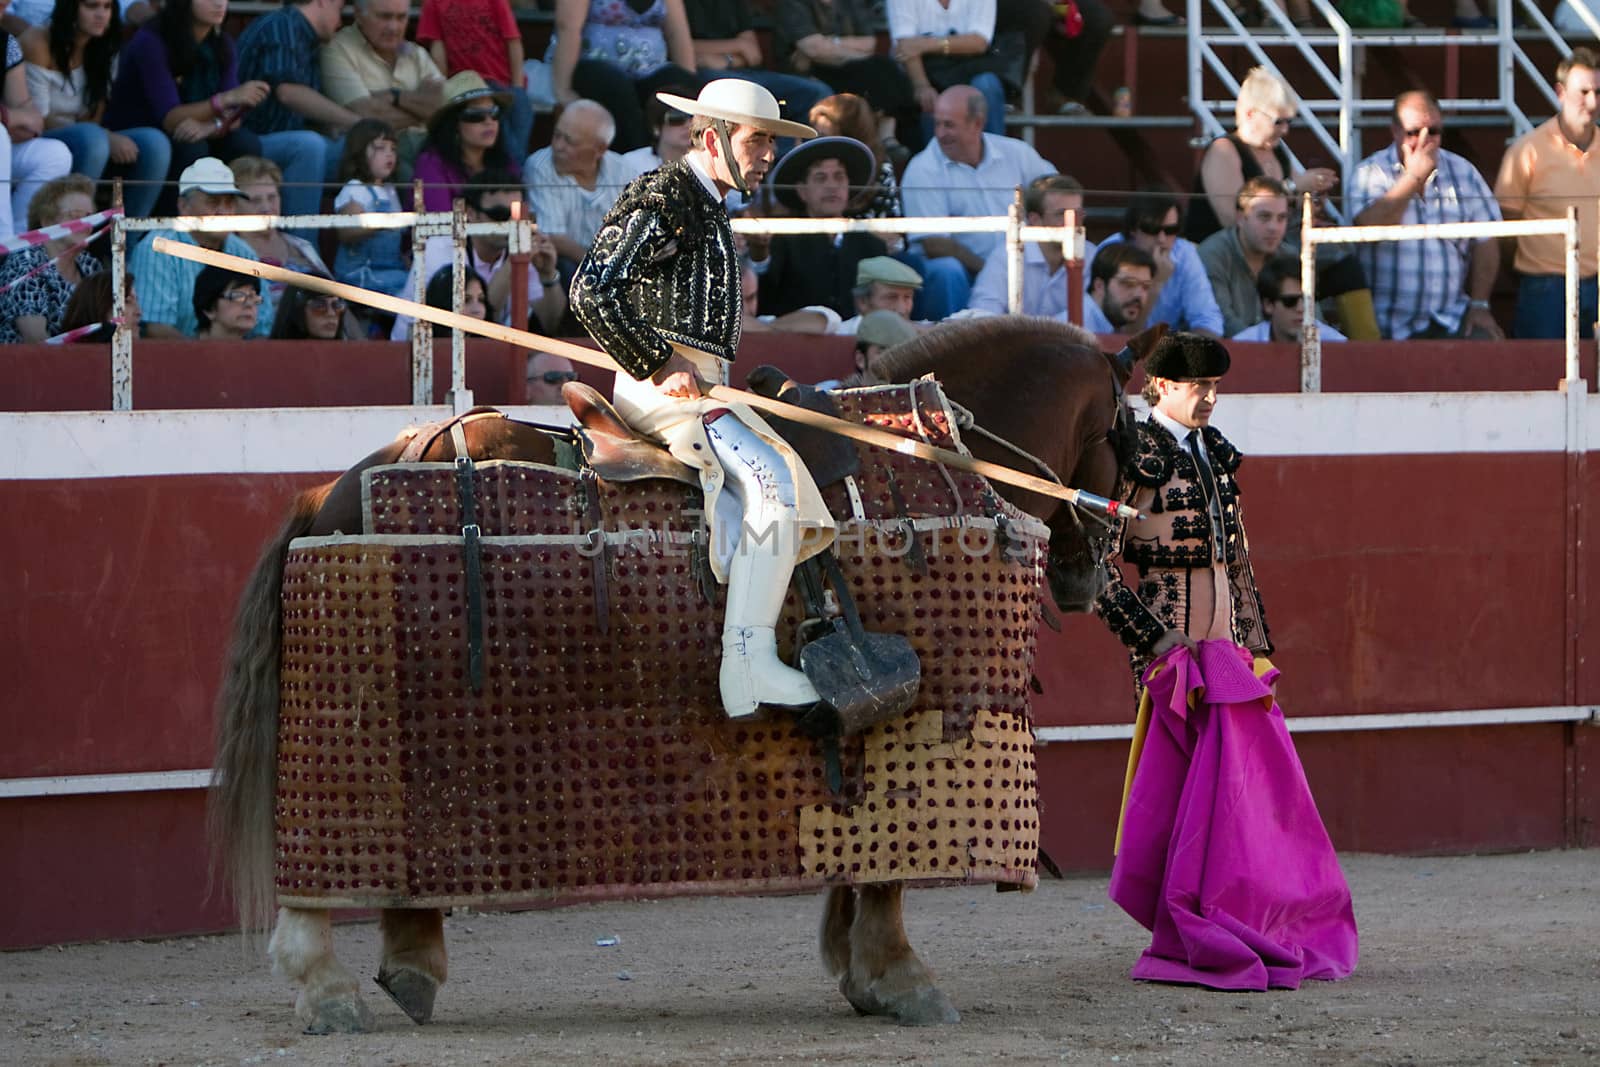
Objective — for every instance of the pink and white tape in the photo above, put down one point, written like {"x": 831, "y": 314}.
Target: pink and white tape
{"x": 45, "y": 234}
{"x": 81, "y": 331}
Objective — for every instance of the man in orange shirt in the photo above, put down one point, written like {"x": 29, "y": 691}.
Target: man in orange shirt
{"x": 1545, "y": 171}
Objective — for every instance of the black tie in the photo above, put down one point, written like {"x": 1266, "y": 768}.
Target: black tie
{"x": 1208, "y": 485}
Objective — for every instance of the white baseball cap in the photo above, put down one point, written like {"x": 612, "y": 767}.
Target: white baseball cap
{"x": 209, "y": 175}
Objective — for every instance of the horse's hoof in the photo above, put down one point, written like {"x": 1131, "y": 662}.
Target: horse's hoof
{"x": 925, "y": 1007}
{"x": 412, "y": 990}
{"x": 340, "y": 1016}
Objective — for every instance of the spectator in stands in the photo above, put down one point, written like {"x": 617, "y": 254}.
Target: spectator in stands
{"x": 284, "y": 49}
{"x": 370, "y": 68}
{"x": 305, "y": 315}
{"x": 1278, "y": 285}
{"x": 91, "y": 304}
{"x": 227, "y": 304}
{"x": 814, "y": 319}
{"x": 21, "y": 15}
{"x": 1233, "y": 257}
{"x": 1181, "y": 294}
{"x": 574, "y": 182}
{"x": 166, "y": 283}
{"x": 489, "y": 197}
{"x": 1425, "y": 288}
{"x": 27, "y": 161}
{"x": 882, "y": 284}
{"x": 848, "y": 115}
{"x": 612, "y": 52}
{"x": 37, "y": 282}
{"x": 179, "y": 74}
{"x": 880, "y": 331}
{"x": 482, "y": 36}
{"x": 69, "y": 77}
{"x": 1553, "y": 167}
{"x": 261, "y": 183}
{"x": 669, "y": 127}
{"x": 475, "y": 302}
{"x": 1044, "y": 266}
{"x": 1074, "y": 55}
{"x": 464, "y": 138}
{"x": 837, "y": 43}
{"x": 814, "y": 180}
{"x": 945, "y": 44}
{"x": 725, "y": 46}
{"x": 965, "y": 171}
{"x": 1263, "y": 113}
{"x": 371, "y": 259}
{"x": 1119, "y": 288}
{"x": 546, "y": 373}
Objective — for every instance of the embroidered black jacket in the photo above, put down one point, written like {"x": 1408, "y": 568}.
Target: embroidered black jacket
{"x": 1178, "y": 536}
{"x": 662, "y": 269}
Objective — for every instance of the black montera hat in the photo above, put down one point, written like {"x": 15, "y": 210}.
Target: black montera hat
{"x": 1187, "y": 355}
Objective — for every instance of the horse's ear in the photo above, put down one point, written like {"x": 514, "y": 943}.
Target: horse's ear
{"x": 1138, "y": 347}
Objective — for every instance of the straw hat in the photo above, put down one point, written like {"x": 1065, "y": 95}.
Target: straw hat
{"x": 791, "y": 169}
{"x": 463, "y": 88}
{"x": 740, "y": 102}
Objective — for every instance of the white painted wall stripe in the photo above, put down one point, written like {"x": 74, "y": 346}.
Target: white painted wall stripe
{"x": 156, "y": 781}
{"x": 123, "y": 444}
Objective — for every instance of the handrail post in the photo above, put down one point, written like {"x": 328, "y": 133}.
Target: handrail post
{"x": 1310, "y": 338}
{"x": 421, "y": 330}
{"x": 521, "y": 252}
{"x": 122, "y": 337}
{"x": 460, "y": 398}
{"x": 1572, "y": 371}
{"x": 1014, "y": 254}
{"x": 1072, "y": 249}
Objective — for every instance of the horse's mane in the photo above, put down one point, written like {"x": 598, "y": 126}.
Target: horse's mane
{"x": 929, "y": 351}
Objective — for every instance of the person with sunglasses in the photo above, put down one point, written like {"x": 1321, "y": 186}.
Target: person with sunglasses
{"x": 1426, "y": 287}
{"x": 546, "y": 374}
{"x": 489, "y": 196}
{"x": 464, "y": 137}
{"x": 1180, "y": 295}
{"x": 307, "y": 316}
{"x": 1263, "y": 113}
{"x": 1279, "y": 287}
{"x": 670, "y": 127}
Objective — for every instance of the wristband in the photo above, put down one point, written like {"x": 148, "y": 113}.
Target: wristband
{"x": 1478, "y": 305}
{"x": 554, "y": 279}
{"x": 1290, "y": 186}
{"x": 944, "y": 46}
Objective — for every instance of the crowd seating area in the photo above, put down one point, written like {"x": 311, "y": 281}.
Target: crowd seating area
{"x": 164, "y": 108}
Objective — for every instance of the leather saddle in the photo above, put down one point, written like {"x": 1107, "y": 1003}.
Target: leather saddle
{"x": 612, "y": 448}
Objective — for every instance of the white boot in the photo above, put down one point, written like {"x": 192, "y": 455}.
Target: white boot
{"x": 758, "y": 575}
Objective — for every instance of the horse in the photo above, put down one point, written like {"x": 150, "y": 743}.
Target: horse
{"x": 1042, "y": 390}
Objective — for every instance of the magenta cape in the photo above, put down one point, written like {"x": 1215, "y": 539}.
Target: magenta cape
{"x": 1224, "y": 858}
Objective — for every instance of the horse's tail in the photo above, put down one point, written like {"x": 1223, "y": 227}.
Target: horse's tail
{"x": 240, "y": 809}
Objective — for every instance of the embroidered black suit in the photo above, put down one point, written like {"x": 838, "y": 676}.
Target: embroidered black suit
{"x": 661, "y": 269}
{"x": 1174, "y": 548}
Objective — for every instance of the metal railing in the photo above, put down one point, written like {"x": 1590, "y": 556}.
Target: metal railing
{"x": 424, "y": 225}
{"x": 1070, "y": 234}
{"x": 1310, "y": 339}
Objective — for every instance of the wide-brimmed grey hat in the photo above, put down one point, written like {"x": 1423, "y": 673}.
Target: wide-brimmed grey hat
{"x": 791, "y": 169}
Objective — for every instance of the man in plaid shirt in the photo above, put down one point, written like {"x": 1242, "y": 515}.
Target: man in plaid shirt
{"x": 1426, "y": 288}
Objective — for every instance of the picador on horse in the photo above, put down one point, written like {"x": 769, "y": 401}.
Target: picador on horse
{"x": 659, "y": 290}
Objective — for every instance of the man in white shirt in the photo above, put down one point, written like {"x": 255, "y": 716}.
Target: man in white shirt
{"x": 883, "y": 283}
{"x": 573, "y": 182}
{"x": 1044, "y": 267}
{"x": 1279, "y": 286}
{"x": 490, "y": 194}
{"x": 964, "y": 172}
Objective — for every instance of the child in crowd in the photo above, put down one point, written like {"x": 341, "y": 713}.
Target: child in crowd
{"x": 371, "y": 259}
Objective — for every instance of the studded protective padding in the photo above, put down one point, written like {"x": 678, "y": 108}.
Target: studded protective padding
{"x": 597, "y": 762}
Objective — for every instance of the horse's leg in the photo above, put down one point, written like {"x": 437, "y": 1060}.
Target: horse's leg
{"x": 302, "y": 951}
{"x": 414, "y": 964}
{"x": 885, "y": 977}
{"x": 838, "y": 913}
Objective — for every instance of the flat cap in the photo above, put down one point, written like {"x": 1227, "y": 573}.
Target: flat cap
{"x": 887, "y": 271}
{"x": 884, "y": 327}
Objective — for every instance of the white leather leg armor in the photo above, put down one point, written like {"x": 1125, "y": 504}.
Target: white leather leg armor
{"x": 758, "y": 574}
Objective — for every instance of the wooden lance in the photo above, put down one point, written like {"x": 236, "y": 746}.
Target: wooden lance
{"x": 578, "y": 354}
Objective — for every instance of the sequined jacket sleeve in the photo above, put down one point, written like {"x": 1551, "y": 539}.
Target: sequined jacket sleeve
{"x": 662, "y": 268}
